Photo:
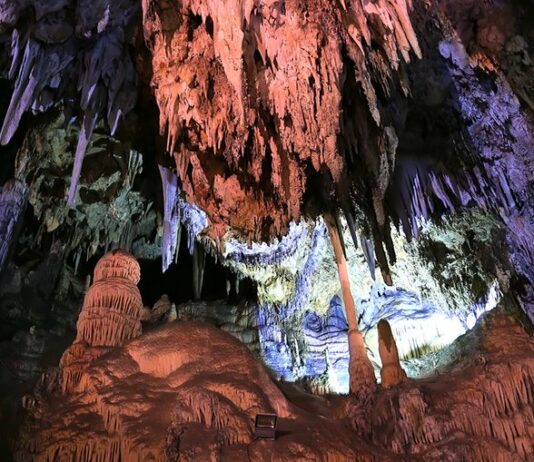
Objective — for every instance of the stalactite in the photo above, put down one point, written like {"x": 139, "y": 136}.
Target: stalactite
{"x": 501, "y": 133}
{"x": 171, "y": 217}
{"x": 199, "y": 262}
{"x": 177, "y": 211}
{"x": 264, "y": 254}
{"x": 232, "y": 106}
{"x": 369, "y": 255}
{"x": 80, "y": 59}
{"x": 88, "y": 125}
{"x": 13, "y": 200}
{"x": 352, "y": 226}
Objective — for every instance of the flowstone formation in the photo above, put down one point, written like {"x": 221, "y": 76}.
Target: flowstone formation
{"x": 157, "y": 398}
{"x": 110, "y": 316}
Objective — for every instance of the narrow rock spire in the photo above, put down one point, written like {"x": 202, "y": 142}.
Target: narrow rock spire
{"x": 391, "y": 373}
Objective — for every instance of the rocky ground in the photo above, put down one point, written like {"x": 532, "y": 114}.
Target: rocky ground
{"x": 189, "y": 391}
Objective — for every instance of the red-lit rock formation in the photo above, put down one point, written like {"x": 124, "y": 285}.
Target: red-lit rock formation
{"x": 188, "y": 391}
{"x": 250, "y": 98}
{"x": 481, "y": 409}
{"x": 111, "y": 315}
{"x": 184, "y": 389}
{"x": 391, "y": 373}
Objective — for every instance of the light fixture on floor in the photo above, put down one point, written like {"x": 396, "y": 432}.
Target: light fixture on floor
{"x": 265, "y": 426}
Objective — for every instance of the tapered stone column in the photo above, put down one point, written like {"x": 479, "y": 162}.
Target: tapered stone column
{"x": 391, "y": 373}
{"x": 361, "y": 371}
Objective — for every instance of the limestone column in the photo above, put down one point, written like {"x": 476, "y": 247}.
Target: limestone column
{"x": 111, "y": 315}
{"x": 361, "y": 371}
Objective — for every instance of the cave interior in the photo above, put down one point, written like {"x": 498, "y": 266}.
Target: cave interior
{"x": 214, "y": 210}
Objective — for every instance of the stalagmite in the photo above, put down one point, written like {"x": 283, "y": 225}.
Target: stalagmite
{"x": 361, "y": 371}
{"x": 161, "y": 308}
{"x": 111, "y": 315}
{"x": 172, "y": 315}
{"x": 391, "y": 372}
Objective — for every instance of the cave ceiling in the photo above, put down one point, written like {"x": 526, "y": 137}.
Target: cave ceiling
{"x": 264, "y": 113}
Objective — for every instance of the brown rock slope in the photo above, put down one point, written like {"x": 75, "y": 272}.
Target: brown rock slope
{"x": 189, "y": 391}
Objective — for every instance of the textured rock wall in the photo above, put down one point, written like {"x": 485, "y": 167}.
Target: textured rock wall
{"x": 245, "y": 109}
{"x": 74, "y": 52}
{"x": 13, "y": 201}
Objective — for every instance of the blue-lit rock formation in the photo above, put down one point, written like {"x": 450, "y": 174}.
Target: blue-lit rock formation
{"x": 177, "y": 212}
{"x": 503, "y": 137}
{"x": 300, "y": 322}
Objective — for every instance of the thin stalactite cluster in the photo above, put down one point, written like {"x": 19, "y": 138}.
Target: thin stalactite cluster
{"x": 71, "y": 51}
{"x": 250, "y": 97}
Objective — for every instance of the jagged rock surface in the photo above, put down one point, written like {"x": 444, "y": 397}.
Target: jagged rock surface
{"x": 74, "y": 52}
{"x": 478, "y": 410}
{"x": 246, "y": 109}
{"x": 13, "y": 201}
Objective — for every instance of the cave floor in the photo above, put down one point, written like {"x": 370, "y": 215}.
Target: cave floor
{"x": 189, "y": 391}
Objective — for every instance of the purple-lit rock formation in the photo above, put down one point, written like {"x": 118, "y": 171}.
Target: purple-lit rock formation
{"x": 176, "y": 213}
{"x": 503, "y": 136}
{"x": 74, "y": 52}
{"x": 13, "y": 201}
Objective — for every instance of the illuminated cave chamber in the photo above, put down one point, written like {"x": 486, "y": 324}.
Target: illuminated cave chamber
{"x": 194, "y": 194}
{"x": 442, "y": 285}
